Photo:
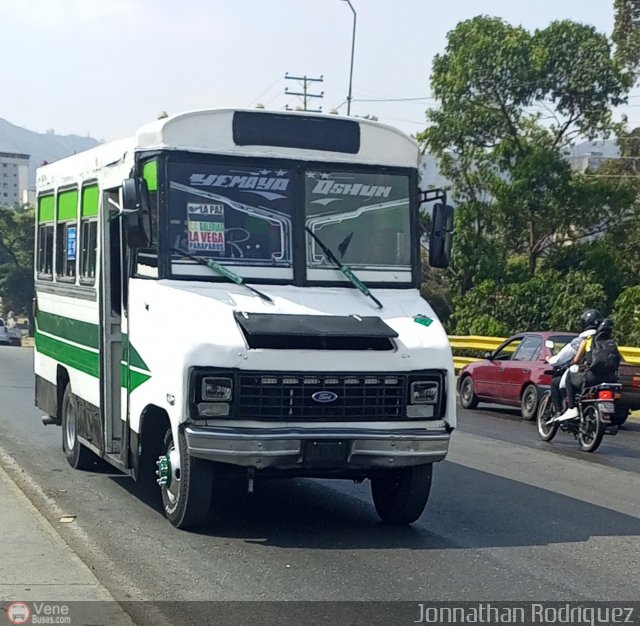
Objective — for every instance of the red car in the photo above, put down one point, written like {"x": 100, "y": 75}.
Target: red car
{"x": 514, "y": 374}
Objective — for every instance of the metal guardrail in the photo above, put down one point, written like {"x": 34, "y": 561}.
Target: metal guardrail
{"x": 489, "y": 344}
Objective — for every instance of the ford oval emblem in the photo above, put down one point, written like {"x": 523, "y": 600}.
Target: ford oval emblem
{"x": 325, "y": 396}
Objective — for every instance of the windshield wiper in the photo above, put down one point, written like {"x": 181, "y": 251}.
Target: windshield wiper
{"x": 223, "y": 271}
{"x": 345, "y": 269}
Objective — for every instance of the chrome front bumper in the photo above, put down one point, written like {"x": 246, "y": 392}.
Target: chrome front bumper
{"x": 283, "y": 447}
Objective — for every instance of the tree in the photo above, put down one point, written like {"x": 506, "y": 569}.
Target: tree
{"x": 626, "y": 313}
{"x": 511, "y": 102}
{"x": 626, "y": 33}
{"x": 547, "y": 301}
{"x": 16, "y": 271}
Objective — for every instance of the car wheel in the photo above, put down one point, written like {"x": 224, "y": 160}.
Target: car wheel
{"x": 529, "y": 402}
{"x": 468, "y": 398}
{"x": 620, "y": 417}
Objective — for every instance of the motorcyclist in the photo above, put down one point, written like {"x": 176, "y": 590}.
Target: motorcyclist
{"x": 576, "y": 380}
{"x": 561, "y": 363}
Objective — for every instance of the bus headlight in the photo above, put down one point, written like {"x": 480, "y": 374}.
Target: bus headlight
{"x": 425, "y": 392}
{"x": 216, "y": 389}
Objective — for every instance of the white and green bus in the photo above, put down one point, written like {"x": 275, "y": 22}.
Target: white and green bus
{"x": 238, "y": 291}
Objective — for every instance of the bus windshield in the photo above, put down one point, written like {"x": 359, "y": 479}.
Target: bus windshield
{"x": 242, "y": 216}
{"x": 363, "y": 217}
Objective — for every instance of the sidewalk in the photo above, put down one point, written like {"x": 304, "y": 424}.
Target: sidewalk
{"x": 37, "y": 565}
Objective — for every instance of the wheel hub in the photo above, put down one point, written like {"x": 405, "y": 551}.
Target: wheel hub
{"x": 168, "y": 471}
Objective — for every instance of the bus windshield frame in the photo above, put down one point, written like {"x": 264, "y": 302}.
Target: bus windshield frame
{"x": 250, "y": 215}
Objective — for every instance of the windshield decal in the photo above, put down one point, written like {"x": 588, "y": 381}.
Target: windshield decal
{"x": 206, "y": 227}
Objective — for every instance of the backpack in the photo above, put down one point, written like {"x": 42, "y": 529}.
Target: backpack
{"x": 605, "y": 357}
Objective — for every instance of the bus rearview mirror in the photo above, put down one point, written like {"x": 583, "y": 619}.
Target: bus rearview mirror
{"x": 441, "y": 236}
{"x": 136, "y": 217}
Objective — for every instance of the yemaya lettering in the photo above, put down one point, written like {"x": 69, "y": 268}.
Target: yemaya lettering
{"x": 262, "y": 183}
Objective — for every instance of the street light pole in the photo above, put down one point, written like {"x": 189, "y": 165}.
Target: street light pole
{"x": 353, "y": 47}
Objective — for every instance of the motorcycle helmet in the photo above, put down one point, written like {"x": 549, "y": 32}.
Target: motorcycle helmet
{"x": 605, "y": 328}
{"x": 591, "y": 318}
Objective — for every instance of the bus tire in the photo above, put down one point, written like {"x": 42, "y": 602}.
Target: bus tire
{"x": 186, "y": 498}
{"x": 400, "y": 496}
{"x": 78, "y": 456}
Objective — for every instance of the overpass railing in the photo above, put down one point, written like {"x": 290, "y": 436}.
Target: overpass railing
{"x": 489, "y": 344}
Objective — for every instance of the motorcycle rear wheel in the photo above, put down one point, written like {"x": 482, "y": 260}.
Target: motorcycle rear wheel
{"x": 546, "y": 428}
{"x": 591, "y": 430}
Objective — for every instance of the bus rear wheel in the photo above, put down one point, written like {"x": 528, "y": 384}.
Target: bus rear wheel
{"x": 185, "y": 482}
{"x": 78, "y": 456}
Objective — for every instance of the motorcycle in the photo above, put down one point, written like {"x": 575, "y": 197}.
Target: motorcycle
{"x": 596, "y": 410}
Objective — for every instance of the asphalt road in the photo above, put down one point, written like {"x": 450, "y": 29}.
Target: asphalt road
{"x": 510, "y": 518}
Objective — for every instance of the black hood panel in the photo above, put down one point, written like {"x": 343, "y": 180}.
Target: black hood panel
{"x": 321, "y": 332}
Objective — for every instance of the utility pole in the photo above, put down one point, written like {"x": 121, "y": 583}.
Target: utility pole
{"x": 305, "y": 95}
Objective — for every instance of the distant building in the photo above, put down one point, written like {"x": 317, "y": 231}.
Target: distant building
{"x": 589, "y": 162}
{"x": 14, "y": 177}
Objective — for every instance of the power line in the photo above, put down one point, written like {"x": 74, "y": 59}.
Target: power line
{"x": 394, "y": 99}
{"x": 267, "y": 90}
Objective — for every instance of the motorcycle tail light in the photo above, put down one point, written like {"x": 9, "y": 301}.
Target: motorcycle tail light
{"x": 605, "y": 394}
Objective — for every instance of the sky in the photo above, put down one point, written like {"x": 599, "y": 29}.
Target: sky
{"x": 106, "y": 67}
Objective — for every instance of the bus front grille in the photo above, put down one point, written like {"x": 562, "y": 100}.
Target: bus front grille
{"x": 322, "y": 396}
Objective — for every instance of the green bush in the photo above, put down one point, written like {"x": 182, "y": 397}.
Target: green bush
{"x": 626, "y": 314}
{"x": 547, "y": 301}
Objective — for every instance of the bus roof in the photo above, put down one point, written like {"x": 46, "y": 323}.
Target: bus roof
{"x": 247, "y": 132}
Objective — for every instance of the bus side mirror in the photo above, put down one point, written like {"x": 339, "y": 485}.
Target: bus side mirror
{"x": 441, "y": 236}
{"x": 136, "y": 216}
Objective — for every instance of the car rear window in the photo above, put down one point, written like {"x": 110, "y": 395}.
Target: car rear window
{"x": 560, "y": 341}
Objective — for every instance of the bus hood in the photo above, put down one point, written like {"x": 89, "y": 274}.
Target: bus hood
{"x": 304, "y": 329}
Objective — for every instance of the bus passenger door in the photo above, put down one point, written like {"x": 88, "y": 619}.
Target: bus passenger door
{"x": 111, "y": 322}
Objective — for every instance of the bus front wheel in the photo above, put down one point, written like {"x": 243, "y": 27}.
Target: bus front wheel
{"x": 185, "y": 484}
{"x": 400, "y": 496}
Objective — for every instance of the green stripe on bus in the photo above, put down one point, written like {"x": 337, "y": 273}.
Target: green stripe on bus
{"x": 88, "y": 335}
{"x": 136, "y": 360}
{"x": 85, "y": 361}
{"x": 46, "y": 208}
{"x": 90, "y": 201}
{"x": 84, "y": 333}
{"x": 73, "y": 356}
{"x": 68, "y": 205}
{"x": 135, "y": 378}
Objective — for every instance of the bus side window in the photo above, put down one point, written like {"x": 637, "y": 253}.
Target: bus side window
{"x": 67, "y": 235}
{"x": 45, "y": 252}
{"x": 147, "y": 258}
{"x": 89, "y": 238}
{"x": 46, "y": 214}
{"x": 89, "y": 233}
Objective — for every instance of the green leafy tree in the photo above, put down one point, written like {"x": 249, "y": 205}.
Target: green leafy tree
{"x": 626, "y": 33}
{"x": 626, "y": 314}
{"x": 548, "y": 300}
{"x": 16, "y": 271}
{"x": 510, "y": 103}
